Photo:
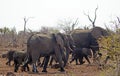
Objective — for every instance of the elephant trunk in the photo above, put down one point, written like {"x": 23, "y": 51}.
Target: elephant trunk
{"x": 68, "y": 51}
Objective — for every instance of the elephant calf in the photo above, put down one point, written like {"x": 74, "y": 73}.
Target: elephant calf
{"x": 18, "y": 58}
{"x": 79, "y": 53}
{"x": 9, "y": 56}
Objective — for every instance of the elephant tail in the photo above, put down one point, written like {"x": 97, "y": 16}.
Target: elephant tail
{"x": 28, "y": 41}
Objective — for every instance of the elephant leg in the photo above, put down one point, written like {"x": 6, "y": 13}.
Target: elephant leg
{"x": 28, "y": 68}
{"x": 16, "y": 66}
{"x": 51, "y": 60}
{"x": 24, "y": 67}
{"x": 35, "y": 57}
{"x": 34, "y": 68}
{"x": 72, "y": 59}
{"x": 45, "y": 63}
{"x": 38, "y": 62}
{"x": 59, "y": 58}
{"x": 68, "y": 50}
{"x": 64, "y": 60}
{"x": 81, "y": 60}
{"x": 87, "y": 59}
{"x": 61, "y": 64}
{"x": 76, "y": 60}
{"x": 65, "y": 56}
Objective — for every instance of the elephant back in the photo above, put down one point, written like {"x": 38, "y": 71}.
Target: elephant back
{"x": 43, "y": 38}
{"x": 42, "y": 42}
{"x": 81, "y": 38}
{"x": 98, "y": 32}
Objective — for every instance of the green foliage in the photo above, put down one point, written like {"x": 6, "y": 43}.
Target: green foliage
{"x": 7, "y": 30}
{"x": 110, "y": 46}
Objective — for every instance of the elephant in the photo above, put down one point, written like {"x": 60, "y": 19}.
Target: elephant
{"x": 18, "y": 58}
{"x": 72, "y": 46}
{"x": 79, "y": 53}
{"x": 45, "y": 45}
{"x": 88, "y": 38}
{"x": 9, "y": 56}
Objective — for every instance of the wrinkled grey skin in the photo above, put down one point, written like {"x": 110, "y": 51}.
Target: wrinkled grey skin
{"x": 88, "y": 38}
{"x": 70, "y": 43}
{"x": 39, "y": 45}
{"x": 79, "y": 53}
{"x": 18, "y": 58}
{"x": 9, "y": 56}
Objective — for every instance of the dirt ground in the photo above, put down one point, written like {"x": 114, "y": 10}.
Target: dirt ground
{"x": 70, "y": 70}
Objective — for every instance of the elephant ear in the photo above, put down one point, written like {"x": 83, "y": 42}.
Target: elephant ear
{"x": 59, "y": 39}
{"x": 98, "y": 32}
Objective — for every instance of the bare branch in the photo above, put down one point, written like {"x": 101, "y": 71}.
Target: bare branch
{"x": 95, "y": 14}
{"x": 92, "y": 21}
{"x": 88, "y": 17}
{"x": 25, "y": 22}
{"x": 74, "y": 23}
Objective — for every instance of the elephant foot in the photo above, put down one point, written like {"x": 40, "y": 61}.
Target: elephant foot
{"x": 35, "y": 71}
{"x": 70, "y": 62}
{"x": 77, "y": 64}
{"x": 15, "y": 70}
{"x": 44, "y": 70}
{"x": 82, "y": 62}
{"x": 62, "y": 70}
{"x": 22, "y": 69}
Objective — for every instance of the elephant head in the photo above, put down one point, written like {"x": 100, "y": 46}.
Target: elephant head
{"x": 98, "y": 32}
{"x": 66, "y": 44}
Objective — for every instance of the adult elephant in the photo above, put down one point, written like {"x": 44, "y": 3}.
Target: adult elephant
{"x": 88, "y": 38}
{"x": 46, "y": 45}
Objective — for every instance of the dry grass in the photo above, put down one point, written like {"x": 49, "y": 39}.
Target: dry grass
{"x": 71, "y": 70}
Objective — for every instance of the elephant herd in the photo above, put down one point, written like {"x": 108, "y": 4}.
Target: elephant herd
{"x": 58, "y": 46}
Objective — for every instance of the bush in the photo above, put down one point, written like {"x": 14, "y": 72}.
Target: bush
{"x": 111, "y": 46}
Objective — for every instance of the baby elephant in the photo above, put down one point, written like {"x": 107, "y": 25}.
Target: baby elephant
{"x": 79, "y": 53}
{"x": 9, "y": 56}
{"x": 18, "y": 58}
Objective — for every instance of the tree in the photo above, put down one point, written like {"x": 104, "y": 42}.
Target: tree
{"x": 14, "y": 34}
{"x": 48, "y": 30}
{"x": 25, "y": 23}
{"x": 92, "y": 20}
{"x": 68, "y": 25}
{"x": 111, "y": 46}
{"x": 1, "y": 30}
{"x": 6, "y": 30}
